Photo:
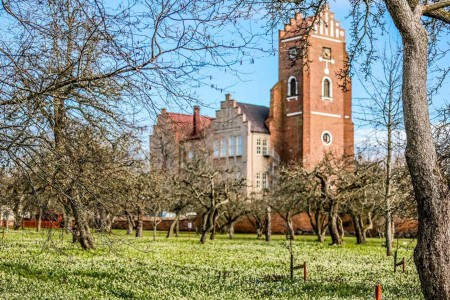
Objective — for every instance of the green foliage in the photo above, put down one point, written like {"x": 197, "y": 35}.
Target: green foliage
{"x": 127, "y": 268}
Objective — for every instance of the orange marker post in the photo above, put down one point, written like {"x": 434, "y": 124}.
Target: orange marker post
{"x": 378, "y": 292}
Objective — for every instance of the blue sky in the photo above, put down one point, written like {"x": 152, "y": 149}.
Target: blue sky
{"x": 258, "y": 74}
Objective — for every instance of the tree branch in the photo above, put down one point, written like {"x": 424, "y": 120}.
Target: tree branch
{"x": 435, "y": 6}
{"x": 440, "y": 14}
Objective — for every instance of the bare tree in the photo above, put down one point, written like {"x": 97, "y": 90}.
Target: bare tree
{"x": 70, "y": 63}
{"x": 383, "y": 111}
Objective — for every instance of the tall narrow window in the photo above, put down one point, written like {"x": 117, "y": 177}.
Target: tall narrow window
{"x": 265, "y": 182}
{"x": 258, "y": 180}
{"x": 258, "y": 146}
{"x": 327, "y": 88}
{"x": 240, "y": 147}
{"x": 292, "y": 86}
{"x": 265, "y": 147}
{"x": 216, "y": 149}
{"x": 224, "y": 148}
{"x": 231, "y": 146}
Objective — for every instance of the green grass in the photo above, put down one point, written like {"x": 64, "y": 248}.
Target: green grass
{"x": 34, "y": 266}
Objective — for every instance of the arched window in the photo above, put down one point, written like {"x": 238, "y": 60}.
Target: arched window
{"x": 292, "y": 86}
{"x": 326, "y": 88}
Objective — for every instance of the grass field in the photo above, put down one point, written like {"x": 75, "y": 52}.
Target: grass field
{"x": 43, "y": 266}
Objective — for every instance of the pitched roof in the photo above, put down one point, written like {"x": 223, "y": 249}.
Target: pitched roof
{"x": 257, "y": 115}
{"x": 184, "y": 123}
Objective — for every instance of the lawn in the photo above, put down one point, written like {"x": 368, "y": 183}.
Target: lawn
{"x": 44, "y": 266}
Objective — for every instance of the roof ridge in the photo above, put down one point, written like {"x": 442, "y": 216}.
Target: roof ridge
{"x": 190, "y": 115}
{"x": 252, "y": 104}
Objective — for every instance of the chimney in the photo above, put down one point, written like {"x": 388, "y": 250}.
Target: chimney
{"x": 196, "y": 119}
{"x": 228, "y": 97}
{"x": 163, "y": 111}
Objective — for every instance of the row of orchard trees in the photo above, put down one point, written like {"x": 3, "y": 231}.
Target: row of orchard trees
{"x": 335, "y": 188}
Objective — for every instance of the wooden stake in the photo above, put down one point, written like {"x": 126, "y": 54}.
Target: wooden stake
{"x": 403, "y": 264}
{"x": 378, "y": 292}
{"x": 305, "y": 272}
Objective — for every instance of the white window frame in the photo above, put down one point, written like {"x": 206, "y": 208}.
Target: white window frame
{"x": 223, "y": 147}
{"x": 258, "y": 147}
{"x": 231, "y": 145}
{"x": 331, "y": 138}
{"x": 265, "y": 147}
{"x": 239, "y": 145}
{"x": 292, "y": 97}
{"x": 323, "y": 88}
{"x": 258, "y": 180}
{"x": 265, "y": 180}
{"x": 216, "y": 149}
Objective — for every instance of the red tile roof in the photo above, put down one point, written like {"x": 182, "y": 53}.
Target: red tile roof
{"x": 184, "y": 123}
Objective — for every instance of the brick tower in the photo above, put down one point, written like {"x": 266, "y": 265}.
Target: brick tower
{"x": 310, "y": 109}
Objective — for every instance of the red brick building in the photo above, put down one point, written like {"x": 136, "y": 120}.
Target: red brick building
{"x": 310, "y": 110}
{"x": 311, "y": 104}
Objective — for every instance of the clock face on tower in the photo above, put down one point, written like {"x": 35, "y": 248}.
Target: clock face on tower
{"x": 326, "y": 53}
{"x": 293, "y": 53}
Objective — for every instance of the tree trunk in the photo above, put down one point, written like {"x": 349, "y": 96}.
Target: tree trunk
{"x": 130, "y": 222}
{"x": 289, "y": 227}
{"x": 387, "y": 193}
{"x": 334, "y": 225}
{"x": 208, "y": 224}
{"x": 139, "y": 223}
{"x": 340, "y": 228}
{"x": 259, "y": 232}
{"x": 317, "y": 221}
{"x": 358, "y": 229}
{"x": 102, "y": 220}
{"x": 231, "y": 230}
{"x": 17, "y": 214}
{"x": 67, "y": 218}
{"x": 39, "y": 220}
{"x": 431, "y": 190}
{"x": 82, "y": 224}
{"x": 268, "y": 229}
{"x": 177, "y": 228}
{"x": 213, "y": 229}
{"x": 173, "y": 226}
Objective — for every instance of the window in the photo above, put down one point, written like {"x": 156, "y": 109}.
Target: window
{"x": 327, "y": 138}
{"x": 224, "y": 148}
{"x": 190, "y": 155}
{"x": 258, "y": 180}
{"x": 326, "y": 88}
{"x": 239, "y": 149}
{"x": 216, "y": 149}
{"x": 265, "y": 148}
{"x": 292, "y": 86}
{"x": 258, "y": 146}
{"x": 231, "y": 145}
{"x": 265, "y": 181}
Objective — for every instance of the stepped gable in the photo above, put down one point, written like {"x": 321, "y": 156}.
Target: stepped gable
{"x": 323, "y": 25}
{"x": 257, "y": 115}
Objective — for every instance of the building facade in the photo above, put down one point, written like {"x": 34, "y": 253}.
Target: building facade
{"x": 311, "y": 104}
{"x": 310, "y": 111}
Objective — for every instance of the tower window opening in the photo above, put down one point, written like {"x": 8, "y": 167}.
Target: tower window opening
{"x": 292, "y": 86}
{"x": 326, "y": 88}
